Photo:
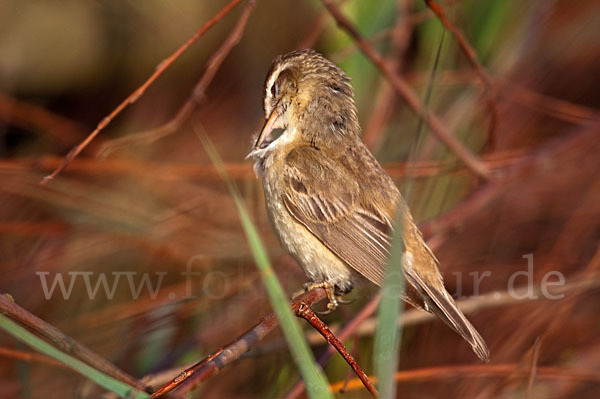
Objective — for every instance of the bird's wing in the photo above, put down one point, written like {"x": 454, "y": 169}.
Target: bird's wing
{"x": 326, "y": 198}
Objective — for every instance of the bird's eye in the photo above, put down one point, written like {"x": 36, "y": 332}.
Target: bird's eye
{"x": 275, "y": 89}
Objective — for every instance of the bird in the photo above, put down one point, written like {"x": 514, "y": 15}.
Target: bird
{"x": 329, "y": 202}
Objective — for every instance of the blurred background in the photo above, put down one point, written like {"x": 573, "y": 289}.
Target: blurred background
{"x": 151, "y": 208}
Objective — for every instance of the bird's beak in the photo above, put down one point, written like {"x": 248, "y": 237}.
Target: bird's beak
{"x": 267, "y": 129}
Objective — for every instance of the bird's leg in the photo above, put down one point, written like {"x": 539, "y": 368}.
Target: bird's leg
{"x": 329, "y": 291}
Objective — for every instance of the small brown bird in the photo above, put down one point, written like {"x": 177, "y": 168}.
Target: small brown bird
{"x": 330, "y": 203}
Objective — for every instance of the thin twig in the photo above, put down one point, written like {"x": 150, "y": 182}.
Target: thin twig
{"x": 474, "y": 61}
{"x": 471, "y": 305}
{"x": 355, "y": 349}
{"x": 307, "y": 314}
{"x": 30, "y": 357}
{"x": 533, "y": 369}
{"x": 191, "y": 377}
{"x": 491, "y": 300}
{"x": 194, "y": 100}
{"x": 386, "y": 96}
{"x": 438, "y": 128}
{"x": 239, "y": 171}
{"x": 409, "y": 22}
{"x": 133, "y": 97}
{"x": 553, "y": 107}
{"x": 64, "y": 342}
{"x": 527, "y": 165}
{"x": 479, "y": 371}
{"x": 417, "y": 144}
{"x": 34, "y": 117}
{"x": 349, "y": 329}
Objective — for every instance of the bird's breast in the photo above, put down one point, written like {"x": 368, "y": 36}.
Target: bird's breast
{"x": 317, "y": 261}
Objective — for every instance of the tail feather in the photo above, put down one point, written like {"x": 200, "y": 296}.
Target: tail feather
{"x": 445, "y": 308}
{"x": 439, "y": 302}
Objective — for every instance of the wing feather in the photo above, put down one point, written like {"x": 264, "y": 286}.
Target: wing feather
{"x": 326, "y": 198}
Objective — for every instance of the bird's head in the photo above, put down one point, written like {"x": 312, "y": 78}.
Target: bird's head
{"x": 311, "y": 99}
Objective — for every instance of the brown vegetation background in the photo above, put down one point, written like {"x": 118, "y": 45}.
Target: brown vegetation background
{"x": 154, "y": 204}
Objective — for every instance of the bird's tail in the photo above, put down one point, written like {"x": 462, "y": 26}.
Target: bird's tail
{"x": 443, "y": 306}
{"x": 438, "y": 301}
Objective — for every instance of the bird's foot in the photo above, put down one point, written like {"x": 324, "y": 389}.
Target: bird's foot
{"x": 330, "y": 291}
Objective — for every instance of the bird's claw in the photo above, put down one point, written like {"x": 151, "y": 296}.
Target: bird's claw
{"x": 343, "y": 301}
{"x": 331, "y": 306}
{"x": 333, "y": 299}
